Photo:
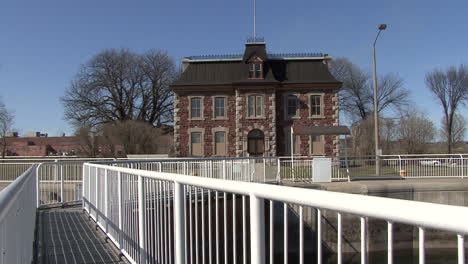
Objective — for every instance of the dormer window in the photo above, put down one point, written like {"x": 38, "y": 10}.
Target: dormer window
{"x": 255, "y": 68}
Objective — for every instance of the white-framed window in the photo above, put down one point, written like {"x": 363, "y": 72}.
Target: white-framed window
{"x": 196, "y": 144}
{"x": 220, "y": 143}
{"x": 196, "y": 107}
{"x": 255, "y": 68}
{"x": 255, "y": 106}
{"x": 317, "y": 145}
{"x": 292, "y": 105}
{"x": 219, "y": 103}
{"x": 316, "y": 105}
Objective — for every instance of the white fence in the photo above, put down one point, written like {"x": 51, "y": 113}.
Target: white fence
{"x": 17, "y": 219}
{"x": 156, "y": 217}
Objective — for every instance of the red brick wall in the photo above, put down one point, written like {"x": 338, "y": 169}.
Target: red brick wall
{"x": 329, "y": 119}
{"x": 272, "y": 124}
{"x": 207, "y": 123}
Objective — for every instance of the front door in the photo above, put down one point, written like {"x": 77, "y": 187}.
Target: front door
{"x": 256, "y": 143}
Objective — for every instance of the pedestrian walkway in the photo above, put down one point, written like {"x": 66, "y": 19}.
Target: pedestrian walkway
{"x": 65, "y": 235}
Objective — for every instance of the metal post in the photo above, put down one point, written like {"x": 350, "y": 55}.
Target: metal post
{"x": 462, "y": 171}
{"x": 376, "y": 106}
{"x": 340, "y": 241}
{"x": 390, "y": 243}
{"x": 106, "y": 206}
{"x": 120, "y": 204}
{"x": 363, "y": 241}
{"x": 264, "y": 170}
{"x": 61, "y": 184}
{"x": 141, "y": 218}
{"x": 422, "y": 258}
{"x": 179, "y": 219}
{"x": 224, "y": 169}
{"x": 37, "y": 186}
{"x": 278, "y": 170}
{"x": 257, "y": 225}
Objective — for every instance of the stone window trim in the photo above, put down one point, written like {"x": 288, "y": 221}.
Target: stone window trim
{"x": 196, "y": 130}
{"x": 322, "y": 106}
{"x": 226, "y": 138}
{"x": 225, "y": 117}
{"x": 322, "y": 139}
{"x": 285, "y": 102}
{"x": 202, "y": 107}
{"x": 262, "y": 116}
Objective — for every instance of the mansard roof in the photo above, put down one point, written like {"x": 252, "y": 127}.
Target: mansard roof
{"x": 285, "y": 68}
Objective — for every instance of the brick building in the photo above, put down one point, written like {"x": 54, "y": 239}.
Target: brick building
{"x": 245, "y": 105}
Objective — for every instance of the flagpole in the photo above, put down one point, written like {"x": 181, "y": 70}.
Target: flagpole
{"x": 292, "y": 152}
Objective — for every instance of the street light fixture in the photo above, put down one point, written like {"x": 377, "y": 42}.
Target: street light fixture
{"x": 376, "y": 107}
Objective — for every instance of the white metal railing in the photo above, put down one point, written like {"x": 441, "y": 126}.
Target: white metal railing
{"x": 156, "y": 217}
{"x": 10, "y": 171}
{"x": 258, "y": 169}
{"x": 17, "y": 219}
{"x": 405, "y": 166}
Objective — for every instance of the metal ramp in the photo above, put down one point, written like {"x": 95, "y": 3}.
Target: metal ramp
{"x": 66, "y": 235}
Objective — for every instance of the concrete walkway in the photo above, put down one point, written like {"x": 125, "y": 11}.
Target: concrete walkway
{"x": 67, "y": 236}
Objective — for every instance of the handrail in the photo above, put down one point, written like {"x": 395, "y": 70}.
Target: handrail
{"x": 10, "y": 193}
{"x": 448, "y": 217}
{"x": 17, "y": 219}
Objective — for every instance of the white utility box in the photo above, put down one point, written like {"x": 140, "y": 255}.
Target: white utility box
{"x": 321, "y": 170}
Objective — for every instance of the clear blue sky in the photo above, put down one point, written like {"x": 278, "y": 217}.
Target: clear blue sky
{"x": 43, "y": 43}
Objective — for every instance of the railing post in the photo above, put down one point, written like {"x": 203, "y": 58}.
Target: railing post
{"x": 257, "y": 225}
{"x": 83, "y": 184}
{"x": 106, "y": 207}
{"x": 462, "y": 164}
{"x": 179, "y": 220}
{"x": 61, "y": 184}
{"x": 120, "y": 204}
{"x": 38, "y": 203}
{"x": 224, "y": 170}
{"x": 141, "y": 218}
{"x": 278, "y": 171}
{"x": 264, "y": 170}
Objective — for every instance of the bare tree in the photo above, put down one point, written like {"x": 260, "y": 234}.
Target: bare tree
{"x": 415, "y": 131}
{"x": 356, "y": 95}
{"x": 450, "y": 87}
{"x": 458, "y": 129}
{"x": 119, "y": 85}
{"x": 6, "y": 122}
{"x": 134, "y": 137}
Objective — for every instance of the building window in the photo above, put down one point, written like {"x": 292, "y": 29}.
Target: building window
{"x": 220, "y": 143}
{"x": 292, "y": 105}
{"x": 255, "y": 106}
{"x": 255, "y": 70}
{"x": 316, "y": 105}
{"x": 317, "y": 146}
{"x": 219, "y": 107}
{"x": 195, "y": 107}
{"x": 196, "y": 144}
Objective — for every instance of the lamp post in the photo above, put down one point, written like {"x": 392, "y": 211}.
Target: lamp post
{"x": 376, "y": 107}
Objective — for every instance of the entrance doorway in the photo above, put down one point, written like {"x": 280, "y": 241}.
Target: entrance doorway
{"x": 256, "y": 143}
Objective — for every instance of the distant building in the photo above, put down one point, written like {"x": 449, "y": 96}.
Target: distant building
{"x": 246, "y": 104}
{"x": 42, "y": 146}
{"x": 39, "y": 145}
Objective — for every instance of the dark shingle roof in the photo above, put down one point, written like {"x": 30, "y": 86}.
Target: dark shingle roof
{"x": 287, "y": 68}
